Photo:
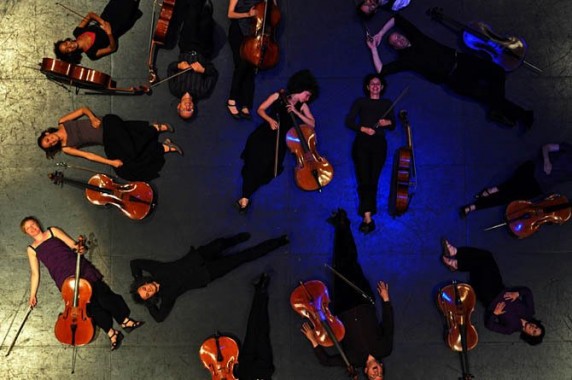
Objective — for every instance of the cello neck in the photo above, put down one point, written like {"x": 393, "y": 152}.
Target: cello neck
{"x": 77, "y": 267}
{"x": 296, "y": 126}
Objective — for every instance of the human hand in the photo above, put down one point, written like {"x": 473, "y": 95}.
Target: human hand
{"x": 95, "y": 122}
{"x": 384, "y": 122}
{"x": 383, "y": 290}
{"x": 183, "y": 65}
{"x": 499, "y": 308}
{"x": 116, "y": 163}
{"x": 511, "y": 296}
{"x": 198, "y": 67}
{"x": 547, "y": 167}
{"x": 33, "y": 301}
{"x": 368, "y": 131}
{"x": 252, "y": 12}
{"x": 273, "y": 124}
{"x": 309, "y": 334}
{"x": 80, "y": 245}
{"x": 106, "y": 27}
{"x": 372, "y": 41}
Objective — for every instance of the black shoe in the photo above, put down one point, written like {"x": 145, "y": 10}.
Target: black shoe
{"x": 527, "y": 119}
{"x": 118, "y": 336}
{"x": 366, "y": 228}
{"x": 242, "y": 210}
{"x": 339, "y": 218}
{"x": 133, "y": 326}
{"x": 445, "y": 252}
{"x": 240, "y": 238}
{"x": 245, "y": 115}
{"x": 230, "y": 108}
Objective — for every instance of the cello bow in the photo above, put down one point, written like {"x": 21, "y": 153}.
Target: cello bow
{"x": 351, "y": 284}
{"x": 30, "y": 308}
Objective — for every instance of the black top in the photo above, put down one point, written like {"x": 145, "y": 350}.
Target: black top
{"x": 370, "y": 111}
{"x": 175, "y": 278}
{"x": 426, "y": 56}
{"x": 364, "y": 336}
{"x": 101, "y": 39}
{"x": 198, "y": 85}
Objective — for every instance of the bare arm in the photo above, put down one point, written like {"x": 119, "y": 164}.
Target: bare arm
{"x": 63, "y": 236}
{"x": 82, "y": 111}
{"x": 92, "y": 157}
{"x": 305, "y": 115}
{"x": 88, "y": 17}
{"x": 232, "y": 14}
{"x": 373, "y": 43}
{"x": 546, "y": 150}
{"x": 385, "y": 28}
{"x": 261, "y": 111}
{"x": 34, "y": 276}
{"x": 112, "y": 47}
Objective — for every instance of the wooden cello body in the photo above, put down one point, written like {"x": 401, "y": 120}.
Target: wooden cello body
{"x": 456, "y": 302}
{"x": 404, "y": 172}
{"x": 219, "y": 355}
{"x": 261, "y": 49}
{"x": 159, "y": 36}
{"x": 524, "y": 218}
{"x": 134, "y": 199}
{"x": 73, "y": 326}
{"x": 312, "y": 171}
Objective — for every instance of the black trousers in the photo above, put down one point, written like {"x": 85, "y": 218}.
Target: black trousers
{"x": 522, "y": 185}
{"x": 121, "y": 15}
{"x": 219, "y": 265}
{"x": 105, "y": 306}
{"x": 484, "y": 273}
{"x": 242, "y": 86}
{"x": 483, "y": 80}
{"x": 255, "y": 358}
{"x": 369, "y": 154}
{"x": 346, "y": 262}
{"x": 198, "y": 26}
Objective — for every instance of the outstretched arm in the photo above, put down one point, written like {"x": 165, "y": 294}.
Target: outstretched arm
{"x": 34, "y": 276}
{"x": 232, "y": 14}
{"x": 82, "y": 111}
{"x": 92, "y": 157}
{"x": 261, "y": 111}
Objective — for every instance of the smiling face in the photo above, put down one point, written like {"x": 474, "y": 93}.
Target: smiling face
{"x": 373, "y": 369}
{"x": 398, "y": 41}
{"x": 531, "y": 329}
{"x": 31, "y": 228}
{"x": 49, "y": 140}
{"x": 186, "y": 107}
{"x": 369, "y": 7}
{"x": 148, "y": 290}
{"x": 374, "y": 87}
{"x": 68, "y": 46}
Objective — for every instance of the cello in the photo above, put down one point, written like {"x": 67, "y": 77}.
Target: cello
{"x": 311, "y": 299}
{"x": 134, "y": 199}
{"x": 219, "y": 355}
{"x": 312, "y": 171}
{"x": 506, "y": 51}
{"x": 85, "y": 78}
{"x": 404, "y": 172}
{"x": 261, "y": 49}
{"x": 524, "y": 218}
{"x": 457, "y": 302}
{"x": 74, "y": 327}
{"x": 159, "y": 36}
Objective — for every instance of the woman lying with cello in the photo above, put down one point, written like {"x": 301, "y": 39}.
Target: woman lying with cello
{"x": 132, "y": 147}
{"x": 100, "y": 38}
{"x": 265, "y": 148}
{"x": 57, "y": 251}
{"x": 531, "y": 179}
{"x": 369, "y": 148}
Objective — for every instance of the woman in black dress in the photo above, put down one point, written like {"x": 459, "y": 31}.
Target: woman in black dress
{"x": 132, "y": 147}
{"x": 99, "y": 39}
{"x": 259, "y": 152}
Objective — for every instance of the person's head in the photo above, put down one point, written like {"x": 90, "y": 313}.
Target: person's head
{"x": 31, "y": 226}
{"x": 186, "y": 107}
{"x": 374, "y": 369}
{"x": 367, "y": 8}
{"x": 398, "y": 41}
{"x": 67, "y": 50}
{"x": 533, "y": 332}
{"x": 373, "y": 83}
{"x": 50, "y": 142}
{"x": 143, "y": 290}
{"x": 304, "y": 83}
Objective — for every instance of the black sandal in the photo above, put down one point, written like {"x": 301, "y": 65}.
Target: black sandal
{"x": 242, "y": 209}
{"x": 232, "y": 107}
{"x": 116, "y": 339}
{"x": 131, "y": 325}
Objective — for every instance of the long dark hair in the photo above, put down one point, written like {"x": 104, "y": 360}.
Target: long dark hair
{"x": 134, "y": 287}
{"x": 52, "y": 150}
{"x": 534, "y": 340}
{"x": 73, "y": 57}
{"x": 301, "y": 81}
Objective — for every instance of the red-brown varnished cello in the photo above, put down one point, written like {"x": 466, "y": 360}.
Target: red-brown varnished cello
{"x": 134, "y": 199}
{"x": 261, "y": 49}
{"x": 311, "y": 299}
{"x": 312, "y": 171}
{"x": 219, "y": 355}
{"x": 83, "y": 77}
{"x": 457, "y": 302}
{"x": 74, "y": 326}
{"x": 524, "y": 218}
{"x": 159, "y": 36}
{"x": 404, "y": 172}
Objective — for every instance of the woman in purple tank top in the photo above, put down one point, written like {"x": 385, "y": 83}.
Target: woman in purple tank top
{"x": 56, "y": 250}
{"x": 132, "y": 148}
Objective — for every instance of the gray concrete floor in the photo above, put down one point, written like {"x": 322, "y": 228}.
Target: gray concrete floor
{"x": 458, "y": 153}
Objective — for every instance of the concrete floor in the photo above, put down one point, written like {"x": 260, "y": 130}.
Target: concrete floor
{"x": 458, "y": 152}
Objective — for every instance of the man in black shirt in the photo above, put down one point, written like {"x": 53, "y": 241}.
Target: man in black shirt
{"x": 195, "y": 46}
{"x": 196, "y": 269}
{"x": 365, "y": 339}
{"x": 466, "y": 74}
